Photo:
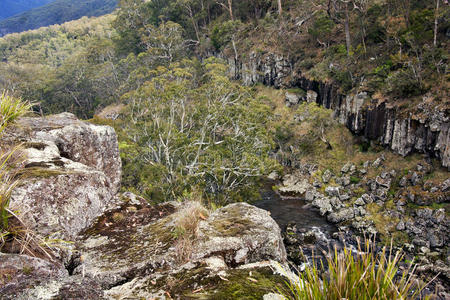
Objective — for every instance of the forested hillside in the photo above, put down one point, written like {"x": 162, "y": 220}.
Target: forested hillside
{"x": 9, "y": 8}
{"x": 55, "y": 12}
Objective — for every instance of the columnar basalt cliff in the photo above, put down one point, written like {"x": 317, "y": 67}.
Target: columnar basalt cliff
{"x": 425, "y": 130}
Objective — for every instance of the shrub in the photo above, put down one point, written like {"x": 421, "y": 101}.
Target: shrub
{"x": 368, "y": 274}
{"x": 404, "y": 83}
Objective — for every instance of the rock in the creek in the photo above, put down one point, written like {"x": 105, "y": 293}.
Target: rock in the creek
{"x": 323, "y": 204}
{"x": 344, "y": 214}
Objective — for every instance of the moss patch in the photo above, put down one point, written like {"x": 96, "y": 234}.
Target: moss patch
{"x": 199, "y": 283}
{"x": 41, "y": 172}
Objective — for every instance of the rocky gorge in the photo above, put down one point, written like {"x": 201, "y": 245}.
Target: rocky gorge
{"x": 424, "y": 128}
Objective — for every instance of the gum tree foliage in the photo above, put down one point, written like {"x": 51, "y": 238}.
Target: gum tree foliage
{"x": 208, "y": 133}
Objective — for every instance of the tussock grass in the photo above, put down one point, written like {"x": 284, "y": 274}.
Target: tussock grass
{"x": 11, "y": 109}
{"x": 15, "y": 232}
{"x": 186, "y": 220}
{"x": 363, "y": 275}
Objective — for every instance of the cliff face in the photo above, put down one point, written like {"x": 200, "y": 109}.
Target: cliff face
{"x": 425, "y": 131}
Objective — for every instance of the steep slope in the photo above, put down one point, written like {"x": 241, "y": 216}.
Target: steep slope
{"x": 9, "y": 8}
{"x": 56, "y": 12}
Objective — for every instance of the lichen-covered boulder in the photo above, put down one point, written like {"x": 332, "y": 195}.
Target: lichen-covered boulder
{"x": 241, "y": 234}
{"x": 19, "y": 272}
{"x": 91, "y": 145}
{"x": 128, "y": 242}
{"x": 71, "y": 174}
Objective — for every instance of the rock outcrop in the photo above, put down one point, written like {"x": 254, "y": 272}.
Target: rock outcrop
{"x": 72, "y": 174}
{"x": 425, "y": 130}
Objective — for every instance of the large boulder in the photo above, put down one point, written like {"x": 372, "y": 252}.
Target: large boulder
{"x": 241, "y": 234}
{"x": 71, "y": 174}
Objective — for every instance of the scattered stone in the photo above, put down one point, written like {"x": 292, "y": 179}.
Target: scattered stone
{"x": 424, "y": 250}
{"x": 326, "y": 176}
{"x": 414, "y": 179}
{"x": 342, "y": 215}
{"x": 311, "y": 96}
{"x": 403, "y": 182}
{"x": 332, "y": 191}
{"x": 377, "y": 162}
{"x": 292, "y": 98}
{"x": 323, "y": 204}
{"x": 346, "y": 167}
{"x": 344, "y": 197}
{"x": 367, "y": 198}
{"x": 274, "y": 176}
{"x": 445, "y": 186}
{"x": 366, "y": 164}
{"x": 317, "y": 184}
{"x": 393, "y": 173}
{"x": 360, "y": 202}
{"x": 401, "y": 226}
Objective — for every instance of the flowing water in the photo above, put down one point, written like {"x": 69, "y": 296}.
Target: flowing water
{"x": 285, "y": 210}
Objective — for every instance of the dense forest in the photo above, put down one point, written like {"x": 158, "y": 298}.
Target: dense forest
{"x": 54, "y": 12}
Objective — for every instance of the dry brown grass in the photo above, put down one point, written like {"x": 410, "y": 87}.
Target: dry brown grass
{"x": 186, "y": 220}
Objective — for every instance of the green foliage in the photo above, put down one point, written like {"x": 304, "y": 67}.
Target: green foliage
{"x": 368, "y": 274}
{"x": 404, "y": 83}
{"x": 222, "y": 33}
{"x": 196, "y": 133}
{"x": 322, "y": 27}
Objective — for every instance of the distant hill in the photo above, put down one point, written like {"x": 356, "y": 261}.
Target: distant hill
{"x": 55, "y": 12}
{"x": 9, "y": 8}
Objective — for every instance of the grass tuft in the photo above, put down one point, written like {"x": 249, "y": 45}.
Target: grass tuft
{"x": 366, "y": 274}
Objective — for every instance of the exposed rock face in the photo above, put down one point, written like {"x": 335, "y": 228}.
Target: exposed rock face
{"x": 241, "y": 234}
{"x": 72, "y": 172}
{"x": 123, "y": 244}
{"x": 427, "y": 130}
